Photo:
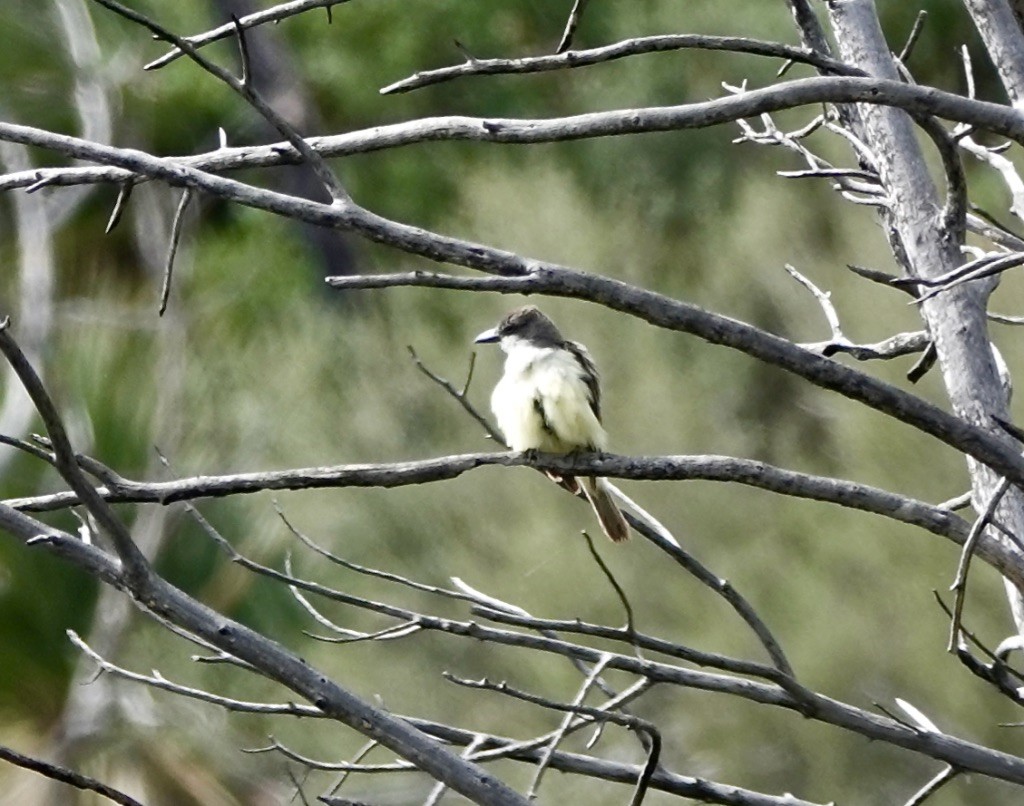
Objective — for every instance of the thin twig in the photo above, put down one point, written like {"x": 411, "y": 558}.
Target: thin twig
{"x": 124, "y": 193}
{"x": 366, "y": 570}
{"x": 339, "y": 766}
{"x": 309, "y": 155}
{"x": 362, "y": 753}
{"x": 959, "y": 586}
{"x": 571, "y": 25}
{"x": 631, "y": 722}
{"x": 29, "y": 448}
{"x": 172, "y": 248}
{"x": 459, "y": 395}
{"x": 975, "y": 270}
{"x": 999, "y": 664}
{"x": 934, "y": 785}
{"x": 274, "y": 14}
{"x": 619, "y": 50}
{"x": 915, "y": 33}
{"x": 630, "y": 624}
{"x": 824, "y": 300}
{"x": 563, "y": 728}
{"x": 158, "y": 681}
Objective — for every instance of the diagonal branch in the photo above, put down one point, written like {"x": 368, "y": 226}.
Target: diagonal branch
{"x": 242, "y": 87}
{"x": 64, "y": 775}
{"x": 136, "y": 568}
{"x": 165, "y": 602}
{"x": 571, "y": 24}
{"x": 273, "y": 14}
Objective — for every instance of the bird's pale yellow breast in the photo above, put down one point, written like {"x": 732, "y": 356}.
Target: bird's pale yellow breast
{"x": 542, "y": 402}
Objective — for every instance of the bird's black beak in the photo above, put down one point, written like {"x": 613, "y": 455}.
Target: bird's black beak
{"x": 487, "y": 336}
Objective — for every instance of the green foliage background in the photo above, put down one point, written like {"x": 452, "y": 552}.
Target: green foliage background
{"x": 268, "y": 369}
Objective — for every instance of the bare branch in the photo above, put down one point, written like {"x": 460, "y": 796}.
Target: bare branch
{"x": 824, "y": 300}
{"x": 625, "y": 720}
{"x": 959, "y": 586}
{"x": 934, "y": 519}
{"x": 273, "y": 14}
{"x": 571, "y": 25}
{"x": 647, "y": 642}
{"x": 563, "y": 728}
{"x": 619, "y": 50}
{"x": 922, "y": 101}
{"x": 339, "y": 766}
{"x": 912, "y": 37}
{"x": 172, "y": 249}
{"x": 124, "y": 195}
{"x": 989, "y": 266}
{"x": 808, "y": 703}
{"x": 983, "y": 224}
{"x": 243, "y": 88}
{"x": 70, "y": 777}
{"x": 135, "y": 565}
{"x": 1004, "y": 41}
{"x": 1006, "y": 169}
{"x": 697, "y": 788}
{"x": 933, "y": 786}
{"x": 29, "y": 448}
{"x": 630, "y": 624}
{"x": 364, "y": 751}
{"x": 167, "y": 602}
{"x": 893, "y": 347}
{"x": 460, "y": 396}
{"x": 158, "y": 681}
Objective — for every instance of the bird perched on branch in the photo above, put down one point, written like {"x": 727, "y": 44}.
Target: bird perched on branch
{"x": 549, "y": 400}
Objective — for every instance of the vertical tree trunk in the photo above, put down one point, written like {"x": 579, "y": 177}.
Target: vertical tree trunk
{"x": 929, "y": 247}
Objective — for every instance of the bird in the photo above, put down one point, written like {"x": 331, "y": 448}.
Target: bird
{"x": 549, "y": 400}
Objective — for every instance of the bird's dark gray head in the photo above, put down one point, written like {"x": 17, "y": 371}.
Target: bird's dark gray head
{"x": 526, "y": 324}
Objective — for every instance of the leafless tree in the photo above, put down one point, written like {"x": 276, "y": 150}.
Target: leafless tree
{"x": 864, "y": 95}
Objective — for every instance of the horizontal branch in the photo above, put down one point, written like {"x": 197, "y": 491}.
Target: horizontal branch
{"x": 915, "y": 99}
{"x": 169, "y": 603}
{"x": 521, "y": 275}
{"x": 660, "y": 468}
{"x": 809, "y": 704}
{"x": 619, "y": 50}
{"x": 663, "y": 780}
{"x": 698, "y": 789}
{"x": 893, "y": 347}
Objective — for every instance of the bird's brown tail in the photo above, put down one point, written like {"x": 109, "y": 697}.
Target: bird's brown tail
{"x": 612, "y": 521}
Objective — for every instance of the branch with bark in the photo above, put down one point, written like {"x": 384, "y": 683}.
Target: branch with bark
{"x": 877, "y": 110}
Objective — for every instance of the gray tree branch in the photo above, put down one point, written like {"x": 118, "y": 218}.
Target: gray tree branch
{"x": 930, "y": 248}
{"x": 165, "y": 602}
{"x": 619, "y": 50}
{"x": 919, "y": 100}
{"x": 1001, "y": 33}
{"x": 749, "y": 472}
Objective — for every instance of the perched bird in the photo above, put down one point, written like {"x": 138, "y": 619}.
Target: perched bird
{"x": 549, "y": 400}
